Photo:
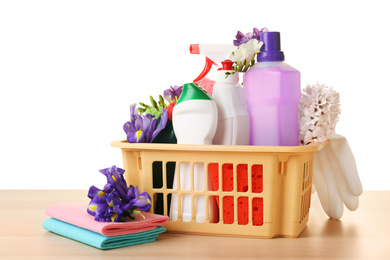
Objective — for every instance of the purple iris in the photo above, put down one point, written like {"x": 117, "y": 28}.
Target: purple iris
{"x": 244, "y": 38}
{"x": 143, "y": 129}
{"x": 115, "y": 179}
{"x": 116, "y": 201}
{"x": 173, "y": 93}
{"x": 141, "y": 201}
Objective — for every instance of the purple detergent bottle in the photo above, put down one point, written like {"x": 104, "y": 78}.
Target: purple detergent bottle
{"x": 272, "y": 90}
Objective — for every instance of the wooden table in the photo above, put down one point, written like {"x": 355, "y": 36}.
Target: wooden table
{"x": 363, "y": 234}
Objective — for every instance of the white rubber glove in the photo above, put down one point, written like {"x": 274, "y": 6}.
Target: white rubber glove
{"x": 336, "y": 178}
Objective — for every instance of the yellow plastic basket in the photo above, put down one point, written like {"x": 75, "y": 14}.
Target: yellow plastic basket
{"x": 285, "y": 195}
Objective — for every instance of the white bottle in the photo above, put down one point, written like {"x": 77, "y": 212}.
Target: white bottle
{"x": 233, "y": 119}
{"x": 194, "y": 119}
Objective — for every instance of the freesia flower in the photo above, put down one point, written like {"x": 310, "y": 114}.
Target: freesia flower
{"x": 118, "y": 202}
{"x": 257, "y": 32}
{"x": 248, "y": 45}
{"x": 244, "y": 38}
{"x": 245, "y": 54}
{"x": 319, "y": 109}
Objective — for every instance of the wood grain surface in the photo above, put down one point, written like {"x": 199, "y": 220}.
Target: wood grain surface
{"x": 363, "y": 234}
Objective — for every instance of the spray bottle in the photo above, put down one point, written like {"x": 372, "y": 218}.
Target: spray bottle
{"x": 195, "y": 120}
{"x": 215, "y": 54}
{"x": 233, "y": 119}
{"x": 272, "y": 92}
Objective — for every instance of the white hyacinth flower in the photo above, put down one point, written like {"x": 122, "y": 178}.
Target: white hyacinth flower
{"x": 319, "y": 110}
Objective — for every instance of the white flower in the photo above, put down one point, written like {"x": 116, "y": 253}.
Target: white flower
{"x": 319, "y": 109}
{"x": 254, "y": 45}
{"x": 240, "y": 55}
{"x": 246, "y": 52}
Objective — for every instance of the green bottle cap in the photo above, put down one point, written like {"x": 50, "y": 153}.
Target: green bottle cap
{"x": 192, "y": 91}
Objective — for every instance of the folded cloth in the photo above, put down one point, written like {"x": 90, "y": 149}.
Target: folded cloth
{"x": 76, "y": 214}
{"x": 97, "y": 240}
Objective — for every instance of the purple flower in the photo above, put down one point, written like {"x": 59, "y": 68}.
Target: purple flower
{"x": 136, "y": 200}
{"x": 101, "y": 213}
{"x": 139, "y": 130}
{"x": 142, "y": 129}
{"x": 257, "y": 32}
{"x": 106, "y": 210}
{"x": 241, "y": 38}
{"x": 116, "y": 201}
{"x": 133, "y": 112}
{"x": 142, "y": 202}
{"x": 93, "y": 205}
{"x": 173, "y": 93}
{"x": 93, "y": 191}
{"x": 114, "y": 209}
{"x": 161, "y": 124}
{"x": 117, "y": 181}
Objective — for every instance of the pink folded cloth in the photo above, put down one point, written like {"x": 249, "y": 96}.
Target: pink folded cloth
{"x": 76, "y": 214}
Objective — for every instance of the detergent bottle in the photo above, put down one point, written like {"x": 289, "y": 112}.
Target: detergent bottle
{"x": 272, "y": 92}
{"x": 195, "y": 120}
{"x": 233, "y": 119}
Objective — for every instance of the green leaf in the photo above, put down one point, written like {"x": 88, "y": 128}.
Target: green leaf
{"x": 154, "y": 103}
{"x": 136, "y": 212}
{"x": 144, "y": 105}
{"x": 141, "y": 110}
{"x": 161, "y": 102}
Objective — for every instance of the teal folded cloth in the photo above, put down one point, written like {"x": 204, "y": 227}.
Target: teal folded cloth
{"x": 97, "y": 240}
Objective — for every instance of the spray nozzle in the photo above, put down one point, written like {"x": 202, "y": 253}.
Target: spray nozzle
{"x": 227, "y": 65}
{"x": 215, "y": 54}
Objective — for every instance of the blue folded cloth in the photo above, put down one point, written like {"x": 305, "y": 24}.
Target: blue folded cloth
{"x": 97, "y": 240}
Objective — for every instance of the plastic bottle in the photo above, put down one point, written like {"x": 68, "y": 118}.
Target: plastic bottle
{"x": 233, "y": 119}
{"x": 195, "y": 120}
{"x": 272, "y": 92}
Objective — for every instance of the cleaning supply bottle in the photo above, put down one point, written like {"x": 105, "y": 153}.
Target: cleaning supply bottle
{"x": 233, "y": 119}
{"x": 272, "y": 92}
{"x": 195, "y": 120}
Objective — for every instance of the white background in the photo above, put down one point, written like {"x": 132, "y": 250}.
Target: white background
{"x": 69, "y": 71}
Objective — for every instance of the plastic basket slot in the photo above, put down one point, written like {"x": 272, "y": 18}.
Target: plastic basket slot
{"x": 305, "y": 204}
{"x": 234, "y": 179}
{"x": 283, "y": 164}
{"x": 139, "y": 163}
{"x": 306, "y": 179}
